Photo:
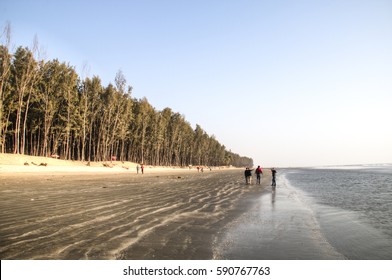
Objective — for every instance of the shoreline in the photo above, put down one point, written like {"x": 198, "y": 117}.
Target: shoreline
{"x": 179, "y": 214}
{"x": 67, "y": 210}
{"x": 275, "y": 227}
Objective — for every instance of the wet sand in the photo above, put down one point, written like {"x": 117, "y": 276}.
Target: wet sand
{"x": 277, "y": 227}
{"x": 175, "y": 215}
{"x": 181, "y": 214}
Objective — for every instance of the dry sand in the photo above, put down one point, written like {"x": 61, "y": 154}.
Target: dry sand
{"x": 16, "y": 164}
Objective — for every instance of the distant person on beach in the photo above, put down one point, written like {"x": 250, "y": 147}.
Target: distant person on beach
{"x": 259, "y": 172}
{"x": 137, "y": 168}
{"x": 142, "y": 167}
{"x": 273, "y": 171}
{"x": 248, "y": 176}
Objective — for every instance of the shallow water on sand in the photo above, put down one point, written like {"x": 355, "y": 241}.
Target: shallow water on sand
{"x": 353, "y": 206}
{"x": 316, "y": 214}
{"x": 278, "y": 227}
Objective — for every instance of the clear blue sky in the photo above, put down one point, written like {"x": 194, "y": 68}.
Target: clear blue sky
{"x": 288, "y": 83}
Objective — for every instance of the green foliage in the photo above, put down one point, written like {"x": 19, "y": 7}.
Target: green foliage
{"x": 47, "y": 109}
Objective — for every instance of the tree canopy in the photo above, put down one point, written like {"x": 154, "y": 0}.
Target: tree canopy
{"x": 47, "y": 109}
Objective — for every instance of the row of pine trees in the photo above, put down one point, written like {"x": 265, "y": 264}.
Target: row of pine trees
{"x": 47, "y": 109}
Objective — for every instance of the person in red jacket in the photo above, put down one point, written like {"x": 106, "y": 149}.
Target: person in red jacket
{"x": 259, "y": 172}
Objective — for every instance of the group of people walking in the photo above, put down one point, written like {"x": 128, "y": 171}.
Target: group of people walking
{"x": 259, "y": 172}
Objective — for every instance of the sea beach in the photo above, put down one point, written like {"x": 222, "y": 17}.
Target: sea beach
{"x": 61, "y": 212}
{"x": 94, "y": 212}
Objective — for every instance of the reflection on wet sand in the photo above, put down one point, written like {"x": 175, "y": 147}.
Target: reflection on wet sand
{"x": 277, "y": 227}
{"x": 273, "y": 197}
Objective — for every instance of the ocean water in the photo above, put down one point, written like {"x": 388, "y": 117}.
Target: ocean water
{"x": 352, "y": 204}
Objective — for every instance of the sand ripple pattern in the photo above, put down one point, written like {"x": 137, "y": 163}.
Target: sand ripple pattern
{"x": 118, "y": 217}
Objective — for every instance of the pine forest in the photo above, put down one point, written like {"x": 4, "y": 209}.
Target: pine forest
{"x": 47, "y": 109}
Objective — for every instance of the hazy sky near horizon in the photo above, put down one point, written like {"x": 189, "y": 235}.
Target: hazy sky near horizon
{"x": 288, "y": 83}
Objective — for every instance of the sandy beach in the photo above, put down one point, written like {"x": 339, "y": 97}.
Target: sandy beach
{"x": 68, "y": 210}
{"x": 15, "y": 165}
{"x": 80, "y": 212}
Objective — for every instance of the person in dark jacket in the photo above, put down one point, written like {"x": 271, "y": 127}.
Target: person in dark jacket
{"x": 273, "y": 171}
{"x": 248, "y": 176}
